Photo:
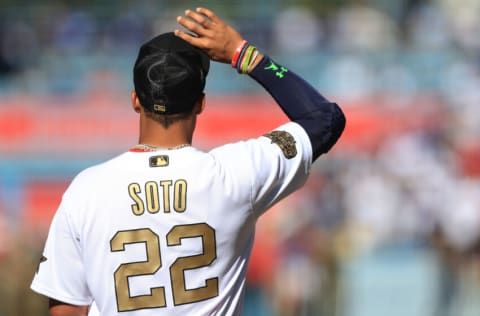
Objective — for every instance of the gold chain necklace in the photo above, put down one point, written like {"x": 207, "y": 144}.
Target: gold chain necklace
{"x": 145, "y": 147}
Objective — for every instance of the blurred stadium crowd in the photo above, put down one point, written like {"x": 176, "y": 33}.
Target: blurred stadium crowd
{"x": 388, "y": 226}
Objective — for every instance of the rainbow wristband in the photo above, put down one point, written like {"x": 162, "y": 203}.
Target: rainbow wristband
{"x": 252, "y": 60}
{"x": 241, "y": 56}
{"x": 243, "y": 66}
{"x": 237, "y": 53}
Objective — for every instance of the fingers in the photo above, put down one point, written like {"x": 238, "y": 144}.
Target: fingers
{"x": 195, "y": 41}
{"x": 191, "y": 25}
{"x": 199, "y": 18}
{"x": 212, "y": 16}
{"x": 212, "y": 35}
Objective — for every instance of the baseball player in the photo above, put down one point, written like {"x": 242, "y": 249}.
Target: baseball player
{"x": 165, "y": 228}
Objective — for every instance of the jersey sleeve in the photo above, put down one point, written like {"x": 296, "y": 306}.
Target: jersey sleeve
{"x": 270, "y": 167}
{"x": 61, "y": 273}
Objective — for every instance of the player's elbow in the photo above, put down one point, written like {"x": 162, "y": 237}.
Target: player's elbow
{"x": 338, "y": 122}
{"x": 324, "y": 127}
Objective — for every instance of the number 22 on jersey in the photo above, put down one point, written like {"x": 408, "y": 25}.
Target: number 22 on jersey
{"x": 156, "y": 298}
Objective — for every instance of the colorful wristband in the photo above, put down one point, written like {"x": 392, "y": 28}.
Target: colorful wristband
{"x": 240, "y": 57}
{"x": 243, "y": 68}
{"x": 238, "y": 51}
{"x": 252, "y": 61}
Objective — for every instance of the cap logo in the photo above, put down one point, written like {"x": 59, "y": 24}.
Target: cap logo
{"x": 160, "y": 108}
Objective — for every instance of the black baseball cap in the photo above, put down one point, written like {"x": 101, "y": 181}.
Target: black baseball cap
{"x": 169, "y": 74}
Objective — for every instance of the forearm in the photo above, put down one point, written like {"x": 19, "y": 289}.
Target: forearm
{"x": 323, "y": 120}
{"x": 57, "y": 308}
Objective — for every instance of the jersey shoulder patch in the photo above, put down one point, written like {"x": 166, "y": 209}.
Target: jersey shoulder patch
{"x": 285, "y": 141}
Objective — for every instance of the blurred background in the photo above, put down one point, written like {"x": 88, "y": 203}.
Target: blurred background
{"x": 389, "y": 222}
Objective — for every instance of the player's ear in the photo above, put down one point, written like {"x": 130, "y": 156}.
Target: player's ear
{"x": 200, "y": 105}
{"x": 135, "y": 102}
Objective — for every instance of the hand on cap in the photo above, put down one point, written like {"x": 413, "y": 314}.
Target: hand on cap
{"x": 216, "y": 38}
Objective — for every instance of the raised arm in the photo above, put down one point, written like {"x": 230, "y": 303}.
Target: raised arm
{"x": 323, "y": 120}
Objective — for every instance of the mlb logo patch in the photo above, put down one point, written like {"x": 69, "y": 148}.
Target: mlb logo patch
{"x": 159, "y": 161}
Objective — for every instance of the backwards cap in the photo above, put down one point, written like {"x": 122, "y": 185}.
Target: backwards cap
{"x": 169, "y": 74}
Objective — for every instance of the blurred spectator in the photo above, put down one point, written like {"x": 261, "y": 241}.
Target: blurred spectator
{"x": 354, "y": 78}
{"x": 420, "y": 23}
{"x": 362, "y": 28}
{"x": 18, "y": 46}
{"x": 297, "y": 30}
{"x": 127, "y": 30}
{"x": 463, "y": 17}
{"x": 5, "y": 67}
{"x": 74, "y": 31}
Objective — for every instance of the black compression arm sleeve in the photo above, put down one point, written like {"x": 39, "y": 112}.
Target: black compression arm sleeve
{"x": 323, "y": 120}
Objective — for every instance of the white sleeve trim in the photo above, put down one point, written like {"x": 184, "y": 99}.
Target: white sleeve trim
{"x": 40, "y": 289}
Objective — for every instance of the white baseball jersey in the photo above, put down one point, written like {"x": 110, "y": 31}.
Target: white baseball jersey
{"x": 169, "y": 232}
